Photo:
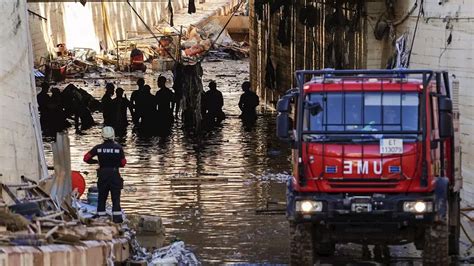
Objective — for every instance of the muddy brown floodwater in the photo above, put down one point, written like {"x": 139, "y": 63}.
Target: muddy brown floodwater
{"x": 207, "y": 188}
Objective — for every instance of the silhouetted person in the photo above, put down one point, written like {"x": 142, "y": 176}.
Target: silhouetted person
{"x": 165, "y": 103}
{"x": 43, "y": 100}
{"x": 76, "y": 106}
{"x": 121, "y": 104}
{"x": 57, "y": 121}
{"x": 247, "y": 103}
{"x": 136, "y": 101}
{"x": 148, "y": 121}
{"x": 107, "y": 105}
{"x": 213, "y": 103}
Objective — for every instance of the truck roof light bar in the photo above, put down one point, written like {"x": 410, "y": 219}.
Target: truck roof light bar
{"x": 354, "y": 72}
{"x": 353, "y": 132}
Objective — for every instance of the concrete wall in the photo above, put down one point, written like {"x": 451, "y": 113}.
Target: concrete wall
{"x": 431, "y": 50}
{"x": 307, "y": 49}
{"x": 376, "y": 52}
{"x": 238, "y": 27}
{"x": 19, "y": 153}
{"x": 86, "y": 26}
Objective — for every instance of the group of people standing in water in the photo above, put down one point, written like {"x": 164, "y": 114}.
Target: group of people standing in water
{"x": 156, "y": 113}
{"x": 150, "y": 113}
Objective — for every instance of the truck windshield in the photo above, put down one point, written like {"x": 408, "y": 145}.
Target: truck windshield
{"x": 362, "y": 111}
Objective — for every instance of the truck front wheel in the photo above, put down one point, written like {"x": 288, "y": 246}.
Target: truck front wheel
{"x": 436, "y": 245}
{"x": 301, "y": 244}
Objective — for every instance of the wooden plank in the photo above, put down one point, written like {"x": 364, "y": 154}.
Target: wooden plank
{"x": 48, "y": 217}
{"x": 10, "y": 193}
{"x": 51, "y": 232}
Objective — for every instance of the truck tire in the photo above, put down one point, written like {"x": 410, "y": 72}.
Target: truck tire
{"x": 436, "y": 245}
{"x": 301, "y": 244}
{"x": 454, "y": 224}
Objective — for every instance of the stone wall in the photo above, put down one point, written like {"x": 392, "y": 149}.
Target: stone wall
{"x": 19, "y": 154}
{"x": 431, "y": 50}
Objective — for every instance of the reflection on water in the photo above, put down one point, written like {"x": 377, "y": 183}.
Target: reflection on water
{"x": 204, "y": 187}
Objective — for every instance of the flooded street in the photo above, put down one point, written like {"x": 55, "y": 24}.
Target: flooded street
{"x": 208, "y": 188}
{"x": 376, "y": 105}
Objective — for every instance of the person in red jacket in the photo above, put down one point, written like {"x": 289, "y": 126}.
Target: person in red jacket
{"x": 136, "y": 59}
{"x": 110, "y": 157}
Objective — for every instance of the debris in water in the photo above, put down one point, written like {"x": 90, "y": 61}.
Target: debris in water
{"x": 274, "y": 152}
{"x": 175, "y": 252}
{"x": 130, "y": 189}
{"x": 275, "y": 177}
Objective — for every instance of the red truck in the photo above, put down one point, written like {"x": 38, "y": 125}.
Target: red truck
{"x": 375, "y": 161}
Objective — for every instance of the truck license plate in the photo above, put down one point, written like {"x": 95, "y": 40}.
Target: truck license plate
{"x": 391, "y": 146}
{"x": 361, "y": 207}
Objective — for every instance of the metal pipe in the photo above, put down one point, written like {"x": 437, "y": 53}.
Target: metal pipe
{"x": 299, "y": 129}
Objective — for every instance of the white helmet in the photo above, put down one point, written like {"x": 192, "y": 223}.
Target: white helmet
{"x": 108, "y": 133}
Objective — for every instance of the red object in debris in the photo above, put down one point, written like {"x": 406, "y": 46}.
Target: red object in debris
{"x": 78, "y": 182}
{"x": 194, "y": 50}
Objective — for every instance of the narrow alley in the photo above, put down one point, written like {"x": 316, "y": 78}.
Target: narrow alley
{"x": 236, "y": 132}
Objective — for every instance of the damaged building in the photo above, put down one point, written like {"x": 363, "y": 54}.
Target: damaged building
{"x": 101, "y": 25}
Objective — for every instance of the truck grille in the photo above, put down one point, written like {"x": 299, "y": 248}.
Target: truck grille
{"x": 363, "y": 183}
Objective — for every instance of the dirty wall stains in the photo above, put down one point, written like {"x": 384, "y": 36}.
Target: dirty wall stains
{"x": 293, "y": 35}
{"x": 20, "y": 151}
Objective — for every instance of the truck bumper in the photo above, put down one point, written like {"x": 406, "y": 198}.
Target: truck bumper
{"x": 385, "y": 220}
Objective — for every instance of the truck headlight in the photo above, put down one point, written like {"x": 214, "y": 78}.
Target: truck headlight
{"x": 309, "y": 206}
{"x": 417, "y": 206}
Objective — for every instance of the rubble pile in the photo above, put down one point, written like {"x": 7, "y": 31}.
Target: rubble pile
{"x": 174, "y": 254}
{"x": 211, "y": 40}
{"x": 161, "y": 51}
{"x": 76, "y": 63}
{"x": 35, "y": 219}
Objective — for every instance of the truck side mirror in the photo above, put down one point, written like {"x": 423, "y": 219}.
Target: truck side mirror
{"x": 446, "y": 129}
{"x": 283, "y": 105}
{"x": 283, "y": 120}
{"x": 283, "y": 126}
